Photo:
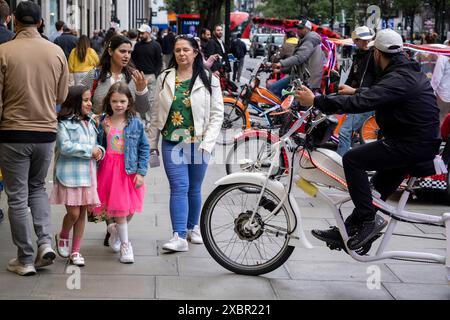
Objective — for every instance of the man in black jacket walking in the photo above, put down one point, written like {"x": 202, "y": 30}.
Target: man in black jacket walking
{"x": 217, "y": 46}
{"x": 67, "y": 41}
{"x": 406, "y": 111}
{"x": 168, "y": 43}
{"x": 147, "y": 57}
{"x": 239, "y": 50}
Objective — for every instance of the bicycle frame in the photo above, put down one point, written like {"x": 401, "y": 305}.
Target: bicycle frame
{"x": 296, "y": 235}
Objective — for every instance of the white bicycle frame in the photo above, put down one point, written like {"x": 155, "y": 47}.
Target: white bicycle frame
{"x": 297, "y": 235}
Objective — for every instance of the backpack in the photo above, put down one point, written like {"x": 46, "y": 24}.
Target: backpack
{"x": 95, "y": 82}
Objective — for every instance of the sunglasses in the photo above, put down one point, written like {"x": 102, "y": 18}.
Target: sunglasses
{"x": 184, "y": 36}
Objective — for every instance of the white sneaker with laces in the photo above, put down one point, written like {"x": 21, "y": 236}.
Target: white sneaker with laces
{"x": 15, "y": 266}
{"x": 126, "y": 253}
{"x": 62, "y": 246}
{"x": 114, "y": 240}
{"x": 45, "y": 256}
{"x": 176, "y": 244}
{"x": 194, "y": 235}
{"x": 77, "y": 259}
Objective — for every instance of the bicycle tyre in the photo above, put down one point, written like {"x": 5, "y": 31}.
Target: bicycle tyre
{"x": 237, "y": 122}
{"x": 369, "y": 131}
{"x": 266, "y": 140}
{"x": 213, "y": 248}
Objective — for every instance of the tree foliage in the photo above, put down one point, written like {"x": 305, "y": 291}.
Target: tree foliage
{"x": 180, "y": 7}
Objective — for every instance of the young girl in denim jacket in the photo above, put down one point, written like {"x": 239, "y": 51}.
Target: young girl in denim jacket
{"x": 121, "y": 173}
{"x": 75, "y": 176}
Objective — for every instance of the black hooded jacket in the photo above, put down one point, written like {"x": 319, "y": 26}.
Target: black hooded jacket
{"x": 403, "y": 100}
{"x": 362, "y": 72}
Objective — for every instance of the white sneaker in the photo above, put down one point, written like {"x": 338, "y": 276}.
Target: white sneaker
{"x": 114, "y": 240}
{"x": 77, "y": 259}
{"x": 126, "y": 253}
{"x": 62, "y": 246}
{"x": 194, "y": 235}
{"x": 176, "y": 244}
{"x": 21, "y": 269}
{"x": 45, "y": 256}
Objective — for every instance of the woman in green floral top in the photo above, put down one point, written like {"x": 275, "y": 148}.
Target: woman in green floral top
{"x": 188, "y": 112}
{"x": 180, "y": 123}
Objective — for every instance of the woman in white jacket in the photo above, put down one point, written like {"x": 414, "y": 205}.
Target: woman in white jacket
{"x": 188, "y": 113}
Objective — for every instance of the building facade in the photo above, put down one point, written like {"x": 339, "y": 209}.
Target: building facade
{"x": 88, "y": 15}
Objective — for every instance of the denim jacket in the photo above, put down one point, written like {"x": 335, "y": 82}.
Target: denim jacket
{"x": 137, "y": 148}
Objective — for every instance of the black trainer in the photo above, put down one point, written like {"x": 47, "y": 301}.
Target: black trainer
{"x": 368, "y": 230}
{"x": 1, "y": 215}
{"x": 333, "y": 236}
{"x": 106, "y": 241}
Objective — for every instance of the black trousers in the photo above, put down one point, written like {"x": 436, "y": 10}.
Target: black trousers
{"x": 391, "y": 160}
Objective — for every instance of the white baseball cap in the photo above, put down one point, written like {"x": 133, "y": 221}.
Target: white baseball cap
{"x": 363, "y": 33}
{"x": 145, "y": 28}
{"x": 388, "y": 41}
{"x": 304, "y": 23}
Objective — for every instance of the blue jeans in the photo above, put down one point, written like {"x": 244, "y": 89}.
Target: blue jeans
{"x": 352, "y": 123}
{"x": 185, "y": 168}
{"x": 279, "y": 85}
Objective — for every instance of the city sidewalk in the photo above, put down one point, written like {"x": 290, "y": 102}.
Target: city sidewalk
{"x": 309, "y": 273}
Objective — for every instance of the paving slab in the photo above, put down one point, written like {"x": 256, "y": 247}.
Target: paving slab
{"x": 190, "y": 266}
{"x": 222, "y": 286}
{"x": 327, "y": 290}
{"x": 423, "y": 273}
{"x": 337, "y": 271}
{"x": 96, "y": 286}
{"x": 143, "y": 265}
{"x": 407, "y": 291}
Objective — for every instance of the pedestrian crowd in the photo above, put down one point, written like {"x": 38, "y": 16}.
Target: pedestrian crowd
{"x": 98, "y": 107}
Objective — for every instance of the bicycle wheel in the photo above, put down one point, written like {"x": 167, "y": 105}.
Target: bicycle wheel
{"x": 369, "y": 130}
{"x": 222, "y": 224}
{"x": 254, "y": 154}
{"x": 233, "y": 122}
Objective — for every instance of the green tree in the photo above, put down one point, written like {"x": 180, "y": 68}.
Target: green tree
{"x": 179, "y": 7}
{"x": 210, "y": 12}
{"x": 283, "y": 9}
{"x": 410, "y": 8}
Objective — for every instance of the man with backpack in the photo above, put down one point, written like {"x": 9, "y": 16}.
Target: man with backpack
{"x": 239, "y": 50}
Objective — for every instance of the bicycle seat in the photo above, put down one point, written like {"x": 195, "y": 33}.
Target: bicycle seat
{"x": 422, "y": 169}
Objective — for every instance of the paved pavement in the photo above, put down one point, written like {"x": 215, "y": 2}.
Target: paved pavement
{"x": 309, "y": 273}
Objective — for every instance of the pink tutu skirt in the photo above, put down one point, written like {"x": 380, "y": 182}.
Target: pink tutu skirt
{"x": 118, "y": 195}
{"x": 78, "y": 196}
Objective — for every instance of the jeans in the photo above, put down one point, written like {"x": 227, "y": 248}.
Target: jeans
{"x": 352, "y": 123}
{"x": 391, "y": 161}
{"x": 151, "y": 97}
{"x": 279, "y": 85}
{"x": 185, "y": 168}
{"x": 24, "y": 167}
{"x": 238, "y": 65}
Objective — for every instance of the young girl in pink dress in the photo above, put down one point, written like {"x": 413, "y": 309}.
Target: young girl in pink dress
{"x": 121, "y": 173}
{"x": 75, "y": 177}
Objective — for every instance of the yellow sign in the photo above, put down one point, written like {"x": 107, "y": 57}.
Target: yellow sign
{"x": 307, "y": 186}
